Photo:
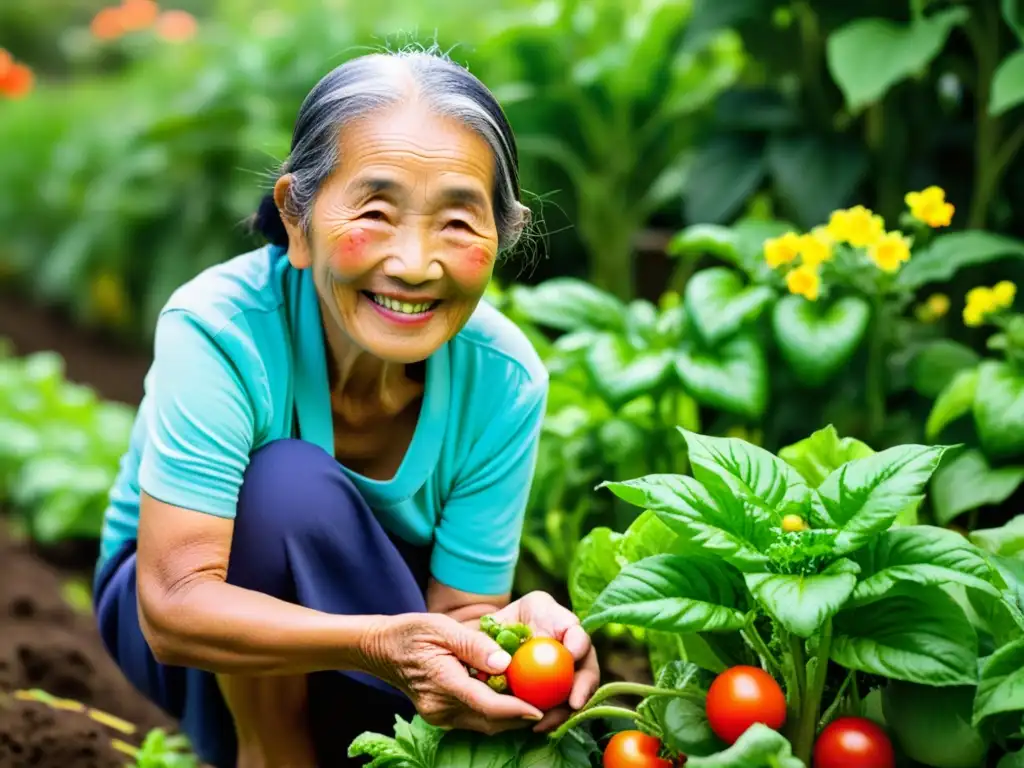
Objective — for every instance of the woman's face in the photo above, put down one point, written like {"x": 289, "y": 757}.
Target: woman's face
{"x": 403, "y": 239}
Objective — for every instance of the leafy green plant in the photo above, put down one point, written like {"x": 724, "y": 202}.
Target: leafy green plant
{"x": 60, "y": 447}
{"x": 160, "y": 750}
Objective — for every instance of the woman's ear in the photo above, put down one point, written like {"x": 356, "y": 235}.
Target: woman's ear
{"x": 298, "y": 247}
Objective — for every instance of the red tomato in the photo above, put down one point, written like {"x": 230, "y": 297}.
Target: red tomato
{"x": 634, "y": 749}
{"x": 542, "y": 673}
{"x": 742, "y": 696}
{"x": 853, "y": 742}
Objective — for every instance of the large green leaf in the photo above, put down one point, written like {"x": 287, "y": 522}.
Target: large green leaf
{"x": 569, "y": 304}
{"x": 732, "y": 377}
{"x": 1001, "y": 688}
{"x": 920, "y": 637}
{"x": 594, "y": 565}
{"x": 821, "y": 454}
{"x": 933, "y": 725}
{"x": 719, "y": 304}
{"x": 815, "y": 175}
{"x": 466, "y": 749}
{"x": 999, "y": 409}
{"x": 564, "y": 753}
{"x": 725, "y": 172}
{"x": 1008, "y": 84}
{"x": 673, "y": 593}
{"x": 948, "y": 254}
{"x": 758, "y": 747}
{"x": 956, "y": 400}
{"x": 920, "y": 554}
{"x": 621, "y": 374}
{"x": 684, "y": 720}
{"x": 867, "y": 57}
{"x": 818, "y": 338}
{"x": 1006, "y": 540}
{"x": 937, "y": 363}
{"x": 414, "y": 745}
{"x": 803, "y": 603}
{"x": 863, "y": 497}
{"x": 687, "y": 508}
{"x": 648, "y": 535}
{"x": 969, "y": 482}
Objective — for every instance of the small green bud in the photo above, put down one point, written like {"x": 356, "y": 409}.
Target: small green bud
{"x": 508, "y": 640}
{"x": 490, "y": 626}
{"x": 521, "y": 631}
{"x": 498, "y": 683}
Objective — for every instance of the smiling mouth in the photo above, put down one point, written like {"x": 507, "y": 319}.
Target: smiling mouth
{"x": 402, "y": 307}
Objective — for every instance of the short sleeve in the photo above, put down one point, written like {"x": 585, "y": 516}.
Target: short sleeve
{"x": 201, "y": 422}
{"x": 476, "y": 545}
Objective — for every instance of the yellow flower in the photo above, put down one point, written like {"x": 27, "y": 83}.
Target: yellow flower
{"x": 857, "y": 226}
{"x": 930, "y": 206}
{"x": 935, "y": 307}
{"x": 890, "y": 251}
{"x": 804, "y": 281}
{"x": 1004, "y": 293}
{"x": 815, "y": 247}
{"x": 782, "y": 250}
{"x": 981, "y": 301}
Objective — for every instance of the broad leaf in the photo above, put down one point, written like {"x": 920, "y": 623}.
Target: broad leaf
{"x": 595, "y": 563}
{"x": 1001, "y": 688}
{"x": 999, "y": 409}
{"x": 725, "y": 172}
{"x": 569, "y": 304}
{"x": 803, "y": 603}
{"x": 647, "y": 535}
{"x": 948, "y": 254}
{"x": 758, "y": 747}
{"x": 565, "y": 753}
{"x": 1007, "y": 540}
{"x": 621, "y": 374}
{"x": 687, "y": 508}
{"x": 864, "y": 497}
{"x": 867, "y": 57}
{"x": 719, "y": 303}
{"x": 673, "y": 593}
{"x": 686, "y": 726}
{"x": 937, "y": 364}
{"x": 414, "y": 745}
{"x": 733, "y": 377}
{"x": 466, "y": 749}
{"x": 920, "y": 636}
{"x": 706, "y": 239}
{"x": 969, "y": 482}
{"x": 956, "y": 400}
{"x": 817, "y": 338}
{"x": 821, "y": 454}
{"x": 933, "y": 724}
{"x": 1008, "y": 84}
{"x": 921, "y": 554}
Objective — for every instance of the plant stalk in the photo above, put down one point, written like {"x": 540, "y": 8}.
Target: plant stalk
{"x": 595, "y": 714}
{"x": 875, "y": 383}
{"x": 983, "y": 32}
{"x": 808, "y": 727}
{"x": 612, "y": 690}
{"x": 756, "y": 642}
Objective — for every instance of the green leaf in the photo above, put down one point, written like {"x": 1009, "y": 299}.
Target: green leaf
{"x": 595, "y": 563}
{"x": 803, "y": 603}
{"x": 1006, "y": 540}
{"x": 937, "y": 364}
{"x": 565, "y": 753}
{"x": 686, "y": 726}
{"x": 999, "y": 409}
{"x": 725, "y": 172}
{"x": 1001, "y": 688}
{"x": 414, "y": 746}
{"x": 969, "y": 482}
{"x": 933, "y": 725}
{"x": 867, "y": 57}
{"x": 706, "y": 239}
{"x": 733, "y": 377}
{"x": 719, "y": 304}
{"x": 673, "y": 593}
{"x": 818, "y": 338}
{"x": 956, "y": 400}
{"x": 1012, "y": 760}
{"x": 687, "y": 508}
{"x": 821, "y": 454}
{"x": 948, "y": 254}
{"x": 1013, "y": 13}
{"x": 620, "y": 374}
{"x": 1007, "y": 84}
{"x": 920, "y": 636}
{"x": 569, "y": 304}
{"x": 467, "y": 749}
{"x": 863, "y": 497}
{"x": 920, "y": 554}
{"x": 815, "y": 175}
{"x": 758, "y": 747}
{"x": 647, "y": 535}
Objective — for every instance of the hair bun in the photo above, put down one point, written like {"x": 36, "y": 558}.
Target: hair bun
{"x": 267, "y": 222}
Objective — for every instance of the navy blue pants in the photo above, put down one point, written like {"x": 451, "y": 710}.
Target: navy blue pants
{"x": 302, "y": 534}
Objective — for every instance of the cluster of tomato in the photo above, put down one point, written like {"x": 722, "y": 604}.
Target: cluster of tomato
{"x": 742, "y": 696}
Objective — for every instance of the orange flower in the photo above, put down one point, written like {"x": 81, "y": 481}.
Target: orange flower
{"x": 176, "y": 26}
{"x": 16, "y": 81}
{"x": 108, "y": 24}
{"x": 138, "y": 14}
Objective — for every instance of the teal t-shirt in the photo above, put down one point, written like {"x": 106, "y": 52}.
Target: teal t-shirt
{"x": 239, "y": 355}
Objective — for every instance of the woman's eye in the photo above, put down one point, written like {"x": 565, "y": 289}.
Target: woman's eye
{"x": 458, "y": 224}
{"x": 374, "y": 215}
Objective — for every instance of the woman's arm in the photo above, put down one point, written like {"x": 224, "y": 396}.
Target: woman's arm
{"x": 191, "y": 617}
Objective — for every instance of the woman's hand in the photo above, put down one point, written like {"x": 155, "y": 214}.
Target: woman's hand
{"x": 541, "y": 613}
{"x": 425, "y": 655}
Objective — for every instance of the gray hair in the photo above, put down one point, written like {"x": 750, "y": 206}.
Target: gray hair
{"x": 372, "y": 82}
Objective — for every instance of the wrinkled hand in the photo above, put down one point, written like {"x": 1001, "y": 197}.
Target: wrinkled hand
{"x": 540, "y": 612}
{"x": 425, "y": 656}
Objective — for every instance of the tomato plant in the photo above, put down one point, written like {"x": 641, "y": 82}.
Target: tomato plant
{"x": 542, "y": 673}
{"x": 742, "y": 696}
{"x": 853, "y": 742}
{"x": 634, "y": 749}
{"x": 794, "y": 524}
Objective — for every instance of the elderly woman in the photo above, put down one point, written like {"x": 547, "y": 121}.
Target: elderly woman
{"x": 326, "y": 483}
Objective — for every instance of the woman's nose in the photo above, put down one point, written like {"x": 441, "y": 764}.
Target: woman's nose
{"x": 413, "y": 262}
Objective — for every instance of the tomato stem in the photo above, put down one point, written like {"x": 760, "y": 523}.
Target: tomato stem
{"x": 610, "y": 690}
{"x": 808, "y": 726}
{"x": 756, "y": 642}
{"x": 597, "y": 713}
{"x": 837, "y": 701}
